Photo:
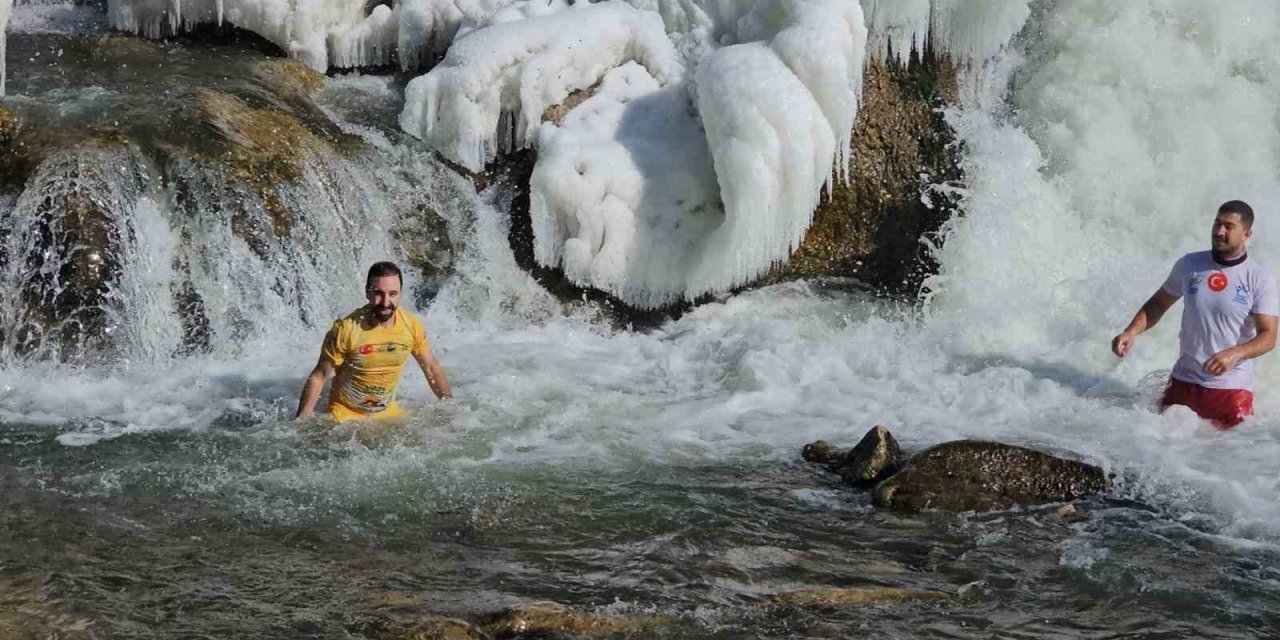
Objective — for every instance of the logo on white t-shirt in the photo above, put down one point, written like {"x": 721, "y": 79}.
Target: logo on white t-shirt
{"x": 1217, "y": 281}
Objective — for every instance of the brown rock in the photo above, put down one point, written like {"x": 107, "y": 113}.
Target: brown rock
{"x": 289, "y": 75}
{"x": 552, "y": 619}
{"x": 858, "y": 596}
{"x": 969, "y": 475}
{"x": 442, "y": 629}
{"x": 821, "y": 452}
{"x": 874, "y": 458}
{"x": 27, "y": 612}
{"x": 872, "y": 224}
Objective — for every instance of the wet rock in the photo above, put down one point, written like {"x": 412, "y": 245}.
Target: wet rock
{"x": 64, "y": 241}
{"x": 28, "y": 612}
{"x": 9, "y": 124}
{"x": 441, "y": 629}
{"x": 1063, "y": 513}
{"x": 973, "y": 591}
{"x": 290, "y": 76}
{"x": 969, "y": 475}
{"x": 554, "y": 620}
{"x": 822, "y": 452}
{"x": 263, "y": 147}
{"x": 856, "y": 596}
{"x": 217, "y": 136}
{"x": 873, "y": 226}
{"x": 874, "y": 458}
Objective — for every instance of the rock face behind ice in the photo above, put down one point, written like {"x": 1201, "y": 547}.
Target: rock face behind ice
{"x": 878, "y": 226}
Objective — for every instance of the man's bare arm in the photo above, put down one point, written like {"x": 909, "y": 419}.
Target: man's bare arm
{"x": 435, "y": 374}
{"x": 1223, "y": 361}
{"x": 1146, "y": 317}
{"x": 312, "y": 387}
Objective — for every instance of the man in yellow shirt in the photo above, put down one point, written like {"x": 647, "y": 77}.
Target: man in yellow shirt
{"x": 368, "y": 350}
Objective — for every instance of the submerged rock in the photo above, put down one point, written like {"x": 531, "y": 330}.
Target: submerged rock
{"x": 554, "y": 620}
{"x": 854, "y": 596}
{"x": 969, "y": 475}
{"x": 441, "y": 629}
{"x": 28, "y": 612}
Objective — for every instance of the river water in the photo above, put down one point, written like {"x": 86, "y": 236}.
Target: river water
{"x": 657, "y": 473}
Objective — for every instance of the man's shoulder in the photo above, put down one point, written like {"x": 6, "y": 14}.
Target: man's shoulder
{"x": 1260, "y": 271}
{"x": 1195, "y": 257}
{"x": 411, "y": 319}
{"x": 354, "y": 320}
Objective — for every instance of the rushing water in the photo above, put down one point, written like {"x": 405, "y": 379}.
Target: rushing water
{"x": 657, "y": 473}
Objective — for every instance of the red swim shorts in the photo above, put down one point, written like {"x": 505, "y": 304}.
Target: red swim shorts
{"x": 1226, "y": 408}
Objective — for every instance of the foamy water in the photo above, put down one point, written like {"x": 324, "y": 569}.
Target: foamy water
{"x": 1095, "y": 155}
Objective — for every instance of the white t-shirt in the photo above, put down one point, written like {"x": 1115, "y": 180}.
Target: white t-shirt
{"x": 1217, "y": 314}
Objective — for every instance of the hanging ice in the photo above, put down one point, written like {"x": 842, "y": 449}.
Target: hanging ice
{"x": 632, "y": 196}
{"x": 490, "y": 91}
{"x": 6, "y": 7}
{"x": 969, "y": 29}
{"x": 428, "y": 27}
{"x": 657, "y": 188}
{"x": 624, "y": 194}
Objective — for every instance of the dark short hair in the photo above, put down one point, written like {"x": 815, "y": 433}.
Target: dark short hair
{"x": 381, "y": 269}
{"x": 1241, "y": 208}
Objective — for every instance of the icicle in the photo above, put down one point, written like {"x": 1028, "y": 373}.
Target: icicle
{"x": 6, "y": 7}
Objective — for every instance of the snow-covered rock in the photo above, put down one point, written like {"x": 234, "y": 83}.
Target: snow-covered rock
{"x": 489, "y": 93}
{"x": 665, "y": 185}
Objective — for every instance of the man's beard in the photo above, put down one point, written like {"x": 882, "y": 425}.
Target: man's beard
{"x": 383, "y": 313}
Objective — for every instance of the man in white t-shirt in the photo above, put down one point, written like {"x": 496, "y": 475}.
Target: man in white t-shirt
{"x": 1229, "y": 318}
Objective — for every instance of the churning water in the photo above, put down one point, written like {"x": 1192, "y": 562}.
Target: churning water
{"x": 153, "y": 495}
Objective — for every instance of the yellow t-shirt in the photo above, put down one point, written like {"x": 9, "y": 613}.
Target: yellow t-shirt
{"x": 369, "y": 360}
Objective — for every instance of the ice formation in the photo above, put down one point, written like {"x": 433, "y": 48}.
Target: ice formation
{"x": 6, "y": 7}
{"x": 663, "y": 184}
{"x": 969, "y": 29}
{"x": 490, "y": 91}
{"x": 709, "y": 127}
{"x": 624, "y": 194}
{"x": 319, "y": 33}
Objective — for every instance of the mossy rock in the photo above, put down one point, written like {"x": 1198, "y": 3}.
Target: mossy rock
{"x": 970, "y": 475}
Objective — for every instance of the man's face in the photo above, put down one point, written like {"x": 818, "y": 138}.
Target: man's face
{"x": 1229, "y": 234}
{"x": 384, "y": 295}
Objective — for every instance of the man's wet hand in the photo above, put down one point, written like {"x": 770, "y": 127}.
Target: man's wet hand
{"x": 1120, "y": 344}
{"x": 1222, "y": 361}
